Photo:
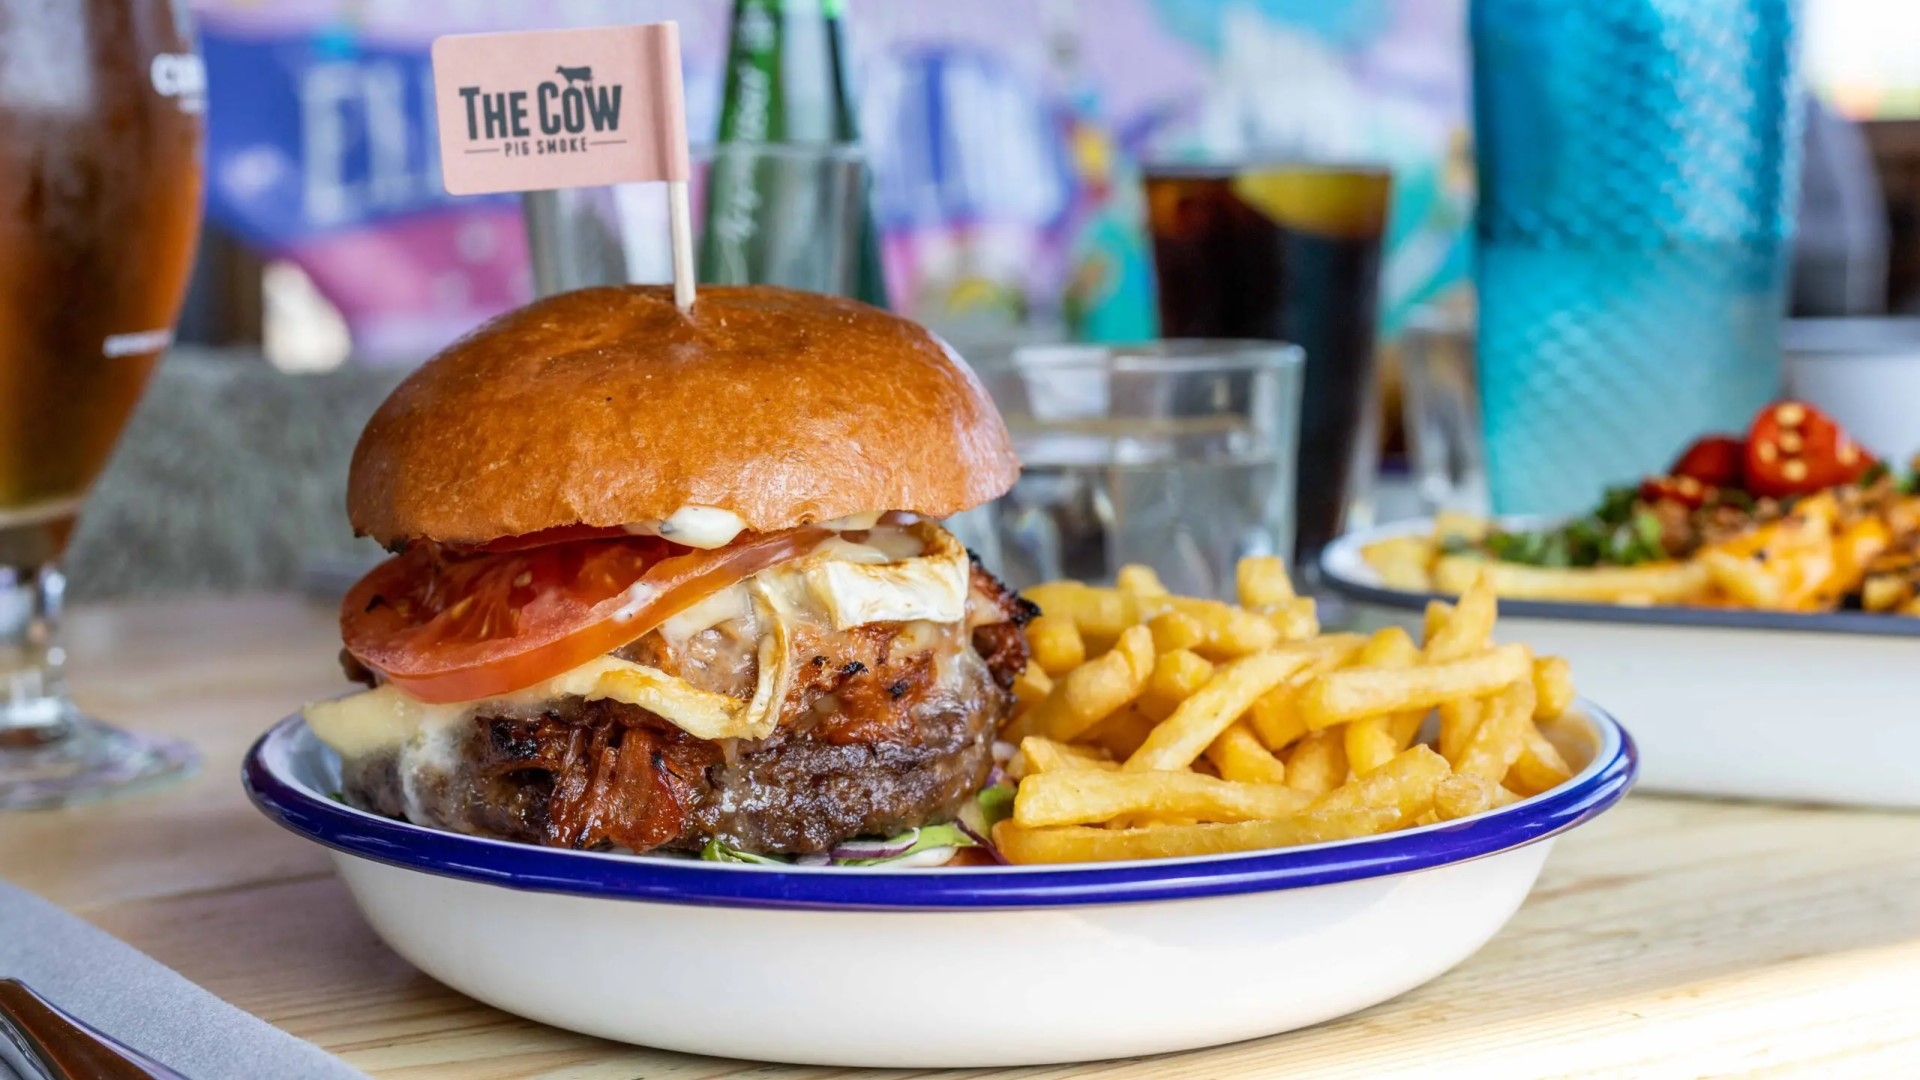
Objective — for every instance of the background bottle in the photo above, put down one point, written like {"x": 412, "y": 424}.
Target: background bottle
{"x": 786, "y": 83}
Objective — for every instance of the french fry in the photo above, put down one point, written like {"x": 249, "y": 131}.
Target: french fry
{"x": 1783, "y": 565}
{"x": 1436, "y": 616}
{"x": 1746, "y": 581}
{"x": 1099, "y": 613}
{"x": 1664, "y": 582}
{"x": 1175, "y": 630}
{"x": 1463, "y": 795}
{"x": 1452, "y": 524}
{"x": 1275, "y": 715}
{"x": 1139, "y": 580}
{"x": 1390, "y": 647}
{"x": 1177, "y": 675}
{"x": 1339, "y": 696}
{"x": 1501, "y": 735}
{"x": 1552, "y": 685}
{"x": 1405, "y": 785}
{"x": 1468, "y": 628}
{"x": 1318, "y": 763}
{"x": 1031, "y": 686}
{"x": 1239, "y": 755}
{"x": 1103, "y": 614}
{"x": 1120, "y": 734}
{"x": 1403, "y": 562}
{"x": 1373, "y": 741}
{"x": 1260, "y": 580}
{"x": 1055, "y": 644}
{"x": 1186, "y": 726}
{"x": 1229, "y": 631}
{"x": 1458, "y": 720}
{"x": 1080, "y": 843}
{"x": 1037, "y": 755}
{"x": 1540, "y": 766}
{"x": 1202, "y": 717}
{"x": 1297, "y": 619}
{"x": 1082, "y": 796}
{"x": 1091, "y": 692}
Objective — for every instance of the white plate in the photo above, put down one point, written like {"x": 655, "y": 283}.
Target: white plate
{"x": 937, "y": 968}
{"x": 1748, "y": 704}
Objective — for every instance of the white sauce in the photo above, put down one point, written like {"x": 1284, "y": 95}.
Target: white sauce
{"x": 705, "y": 527}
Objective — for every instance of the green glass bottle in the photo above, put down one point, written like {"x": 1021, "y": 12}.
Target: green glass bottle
{"x": 786, "y": 85}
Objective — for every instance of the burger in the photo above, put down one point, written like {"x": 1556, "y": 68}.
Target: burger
{"x": 677, "y": 581}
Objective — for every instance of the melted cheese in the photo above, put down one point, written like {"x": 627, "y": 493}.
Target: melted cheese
{"x": 918, "y": 576}
{"x": 366, "y": 722}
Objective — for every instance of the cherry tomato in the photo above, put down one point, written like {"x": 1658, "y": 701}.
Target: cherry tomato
{"x": 1795, "y": 449}
{"x": 1716, "y": 461}
{"x": 451, "y": 626}
{"x": 1685, "y": 490}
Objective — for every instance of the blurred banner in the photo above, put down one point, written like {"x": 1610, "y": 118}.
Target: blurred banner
{"x": 1003, "y": 135}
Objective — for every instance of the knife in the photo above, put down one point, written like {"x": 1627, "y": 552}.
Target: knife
{"x": 64, "y": 1047}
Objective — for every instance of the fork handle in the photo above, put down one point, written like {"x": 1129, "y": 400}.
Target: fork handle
{"x": 65, "y": 1047}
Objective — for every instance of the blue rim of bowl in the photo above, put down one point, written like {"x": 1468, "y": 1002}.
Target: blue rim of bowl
{"x": 311, "y": 814}
{"x": 1345, "y": 572}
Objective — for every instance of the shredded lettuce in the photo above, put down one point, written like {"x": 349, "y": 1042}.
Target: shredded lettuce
{"x": 715, "y": 851}
{"x": 932, "y": 836}
{"x": 989, "y": 808}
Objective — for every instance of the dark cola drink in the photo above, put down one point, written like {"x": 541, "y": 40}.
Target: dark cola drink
{"x": 1289, "y": 253}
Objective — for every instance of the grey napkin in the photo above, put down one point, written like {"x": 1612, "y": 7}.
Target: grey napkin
{"x": 141, "y": 1002}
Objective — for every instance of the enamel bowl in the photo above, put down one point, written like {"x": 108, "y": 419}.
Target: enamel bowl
{"x": 1743, "y": 704}
{"x": 933, "y": 968}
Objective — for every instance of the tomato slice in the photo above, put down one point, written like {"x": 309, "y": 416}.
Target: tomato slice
{"x": 559, "y": 534}
{"x": 450, "y": 626}
{"x": 1795, "y": 449}
{"x": 1716, "y": 461}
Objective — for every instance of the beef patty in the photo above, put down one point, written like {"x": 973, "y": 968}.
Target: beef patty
{"x": 885, "y": 727}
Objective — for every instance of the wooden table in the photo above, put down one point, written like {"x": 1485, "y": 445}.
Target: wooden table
{"x": 1672, "y": 937}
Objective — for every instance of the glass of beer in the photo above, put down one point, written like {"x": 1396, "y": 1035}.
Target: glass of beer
{"x": 1286, "y": 253}
{"x": 100, "y": 194}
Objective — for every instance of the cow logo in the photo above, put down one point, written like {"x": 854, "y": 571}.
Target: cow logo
{"x": 542, "y": 109}
{"x": 569, "y": 114}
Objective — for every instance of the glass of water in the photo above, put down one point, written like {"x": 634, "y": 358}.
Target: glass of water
{"x": 1177, "y": 454}
{"x": 1441, "y": 412}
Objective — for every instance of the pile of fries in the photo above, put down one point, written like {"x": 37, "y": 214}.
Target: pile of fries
{"x": 1832, "y": 546}
{"x": 1156, "y": 726}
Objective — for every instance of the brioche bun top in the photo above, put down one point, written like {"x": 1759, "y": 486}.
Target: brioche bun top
{"x": 607, "y": 407}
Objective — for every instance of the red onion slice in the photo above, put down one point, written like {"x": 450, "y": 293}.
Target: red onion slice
{"x": 877, "y": 849}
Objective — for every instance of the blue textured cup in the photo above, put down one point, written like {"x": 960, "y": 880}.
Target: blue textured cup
{"x": 1639, "y": 165}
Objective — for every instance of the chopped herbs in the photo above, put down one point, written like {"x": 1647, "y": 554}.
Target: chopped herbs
{"x": 1619, "y": 538}
{"x": 1627, "y": 528}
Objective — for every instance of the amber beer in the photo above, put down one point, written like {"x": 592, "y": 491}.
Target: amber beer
{"x": 1289, "y": 253}
{"x": 100, "y": 193}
